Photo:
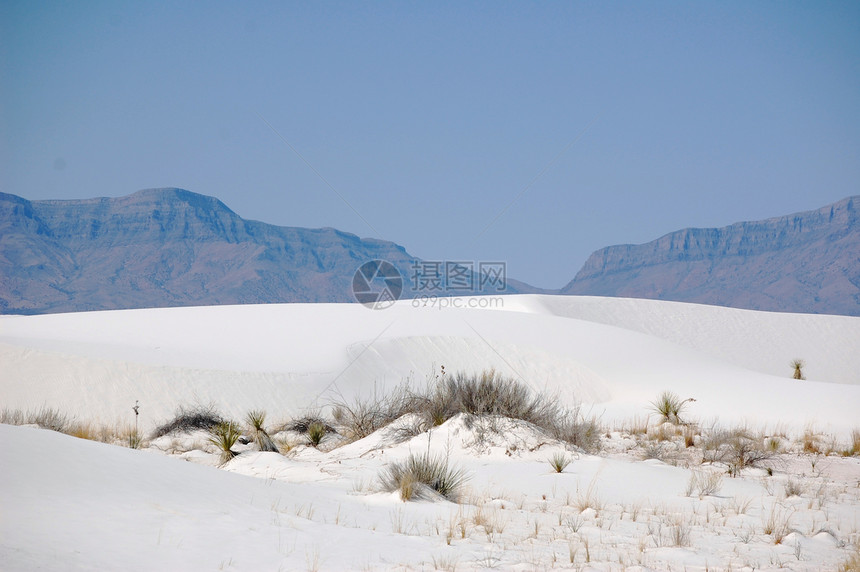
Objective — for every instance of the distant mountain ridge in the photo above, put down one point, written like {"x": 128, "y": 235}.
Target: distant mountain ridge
{"x": 171, "y": 247}
{"x": 805, "y": 262}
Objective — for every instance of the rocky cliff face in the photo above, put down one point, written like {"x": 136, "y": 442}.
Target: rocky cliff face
{"x": 805, "y": 262}
{"x": 170, "y": 247}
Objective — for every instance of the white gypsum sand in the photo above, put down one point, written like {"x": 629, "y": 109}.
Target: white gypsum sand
{"x": 70, "y": 502}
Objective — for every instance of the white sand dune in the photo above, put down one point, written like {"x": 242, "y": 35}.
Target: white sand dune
{"x": 612, "y": 355}
{"x": 68, "y": 503}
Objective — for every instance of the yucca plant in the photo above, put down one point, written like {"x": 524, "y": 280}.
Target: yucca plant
{"x": 798, "y": 365}
{"x": 669, "y": 407}
{"x": 316, "y": 432}
{"x": 256, "y": 419}
{"x": 224, "y": 435}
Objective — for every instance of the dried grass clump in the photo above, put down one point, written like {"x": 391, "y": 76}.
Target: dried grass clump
{"x": 363, "y": 416}
{"x": 190, "y": 419}
{"x": 812, "y": 443}
{"x": 853, "y": 445}
{"x": 576, "y": 429}
{"x": 777, "y": 523}
{"x": 852, "y": 563}
{"x": 12, "y": 416}
{"x": 418, "y": 475}
{"x": 706, "y": 483}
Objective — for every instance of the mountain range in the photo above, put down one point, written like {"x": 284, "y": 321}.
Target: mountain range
{"x": 172, "y": 247}
{"x": 805, "y": 262}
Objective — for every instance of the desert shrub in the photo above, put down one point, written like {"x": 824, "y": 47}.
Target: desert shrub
{"x": 705, "y": 482}
{"x": 657, "y": 451}
{"x": 12, "y": 416}
{"x": 44, "y": 417}
{"x": 572, "y": 427}
{"x": 669, "y": 407}
{"x": 418, "y": 474}
{"x": 489, "y": 393}
{"x": 224, "y": 435}
{"x": 190, "y": 419}
{"x": 559, "y": 462}
{"x": 737, "y": 448}
{"x": 255, "y": 420}
{"x": 363, "y": 416}
{"x": 303, "y": 424}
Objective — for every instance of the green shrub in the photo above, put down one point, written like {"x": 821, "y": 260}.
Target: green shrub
{"x": 190, "y": 419}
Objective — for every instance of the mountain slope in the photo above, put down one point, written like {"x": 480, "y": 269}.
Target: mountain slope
{"x": 170, "y": 247}
{"x": 805, "y": 262}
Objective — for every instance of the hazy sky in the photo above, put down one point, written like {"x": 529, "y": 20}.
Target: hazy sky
{"x": 435, "y": 119}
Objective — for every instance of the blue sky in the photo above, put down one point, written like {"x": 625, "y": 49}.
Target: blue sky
{"x": 563, "y": 126}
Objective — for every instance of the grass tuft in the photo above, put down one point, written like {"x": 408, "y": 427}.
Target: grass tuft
{"x": 559, "y": 462}
{"x": 418, "y": 474}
